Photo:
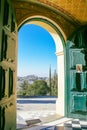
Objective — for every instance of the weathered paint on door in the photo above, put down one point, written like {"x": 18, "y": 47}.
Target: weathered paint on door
{"x": 8, "y": 60}
{"x": 76, "y": 73}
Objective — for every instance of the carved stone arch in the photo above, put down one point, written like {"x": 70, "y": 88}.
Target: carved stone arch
{"x": 51, "y": 27}
{"x": 59, "y": 38}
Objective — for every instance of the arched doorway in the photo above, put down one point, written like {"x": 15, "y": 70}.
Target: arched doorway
{"x": 59, "y": 39}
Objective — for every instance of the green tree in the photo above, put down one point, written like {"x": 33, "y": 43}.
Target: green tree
{"x": 23, "y": 88}
{"x": 38, "y": 88}
{"x": 30, "y": 91}
{"x": 54, "y": 84}
{"x": 50, "y": 80}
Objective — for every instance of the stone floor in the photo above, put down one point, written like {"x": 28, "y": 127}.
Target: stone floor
{"x": 60, "y": 124}
{"x": 27, "y": 112}
{"x": 31, "y": 112}
{"x": 44, "y": 117}
{"x": 72, "y": 124}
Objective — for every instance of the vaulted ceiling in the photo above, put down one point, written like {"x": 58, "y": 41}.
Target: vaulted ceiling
{"x": 77, "y": 9}
{"x": 68, "y": 14}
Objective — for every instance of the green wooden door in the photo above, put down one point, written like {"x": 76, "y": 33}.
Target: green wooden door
{"x": 7, "y": 67}
{"x": 76, "y": 73}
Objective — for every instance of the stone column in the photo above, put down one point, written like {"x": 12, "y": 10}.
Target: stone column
{"x": 60, "y": 103}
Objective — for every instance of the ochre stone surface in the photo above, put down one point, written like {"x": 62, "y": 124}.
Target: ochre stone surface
{"x": 68, "y": 14}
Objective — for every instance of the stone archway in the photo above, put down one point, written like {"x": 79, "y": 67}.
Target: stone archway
{"x": 59, "y": 39}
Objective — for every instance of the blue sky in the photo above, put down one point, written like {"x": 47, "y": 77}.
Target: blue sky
{"x": 36, "y": 51}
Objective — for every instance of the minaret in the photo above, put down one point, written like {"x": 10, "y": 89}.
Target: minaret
{"x": 50, "y": 79}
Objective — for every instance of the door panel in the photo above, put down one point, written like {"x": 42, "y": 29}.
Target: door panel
{"x": 8, "y": 49}
{"x": 79, "y": 103}
{"x": 76, "y": 73}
